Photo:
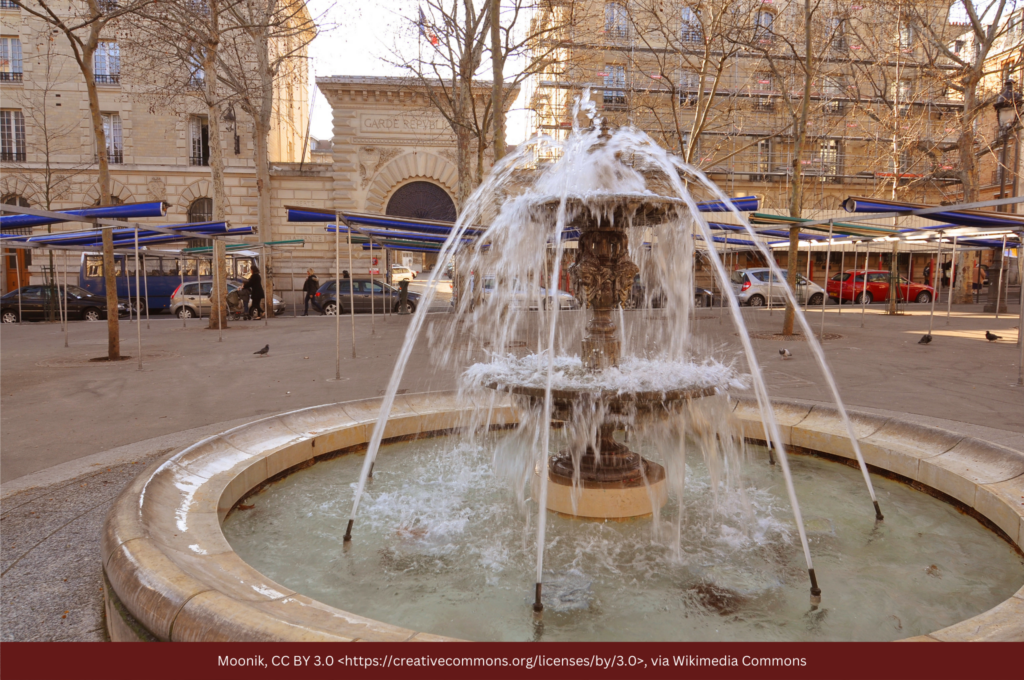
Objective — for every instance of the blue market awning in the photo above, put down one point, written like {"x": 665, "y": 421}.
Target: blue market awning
{"x": 413, "y": 249}
{"x": 962, "y": 218}
{"x": 409, "y": 224}
{"x": 117, "y": 212}
{"x": 743, "y": 204}
{"x": 73, "y": 237}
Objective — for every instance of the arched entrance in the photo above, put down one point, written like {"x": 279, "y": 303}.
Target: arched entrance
{"x": 422, "y": 200}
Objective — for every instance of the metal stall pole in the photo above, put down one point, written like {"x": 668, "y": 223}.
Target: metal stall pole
{"x": 145, "y": 288}
{"x": 807, "y": 298}
{"x": 138, "y": 317}
{"x": 66, "y": 315}
{"x": 1020, "y": 323}
{"x": 771, "y": 281}
{"x": 952, "y": 281}
{"x": 853, "y": 275}
{"x": 60, "y": 305}
{"x": 181, "y": 273}
{"x": 351, "y": 292}
{"x": 222, "y": 304}
{"x": 17, "y": 266}
{"x": 842, "y": 269}
{"x": 864, "y": 287}
{"x": 337, "y": 299}
{"x": 199, "y": 289}
{"x": 937, "y": 278}
{"x": 373, "y": 303}
{"x": 824, "y": 295}
{"x": 291, "y": 265}
{"x": 1002, "y": 265}
{"x": 263, "y": 284}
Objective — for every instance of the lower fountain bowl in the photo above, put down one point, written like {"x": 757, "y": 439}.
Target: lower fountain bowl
{"x": 618, "y": 500}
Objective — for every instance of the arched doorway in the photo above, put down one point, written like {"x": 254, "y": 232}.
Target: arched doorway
{"x": 201, "y": 210}
{"x": 16, "y": 261}
{"x": 422, "y": 200}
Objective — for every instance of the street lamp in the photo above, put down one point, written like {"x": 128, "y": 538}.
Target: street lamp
{"x": 1007, "y": 106}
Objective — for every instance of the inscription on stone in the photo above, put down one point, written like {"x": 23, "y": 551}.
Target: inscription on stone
{"x": 403, "y": 124}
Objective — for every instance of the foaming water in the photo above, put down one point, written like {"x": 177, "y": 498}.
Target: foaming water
{"x": 441, "y": 548}
{"x": 521, "y": 218}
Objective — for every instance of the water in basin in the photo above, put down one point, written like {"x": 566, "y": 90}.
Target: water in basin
{"x": 441, "y": 547}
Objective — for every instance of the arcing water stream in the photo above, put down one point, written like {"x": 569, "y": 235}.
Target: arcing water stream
{"x": 530, "y": 210}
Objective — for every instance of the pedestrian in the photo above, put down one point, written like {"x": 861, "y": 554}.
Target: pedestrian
{"x": 254, "y": 284}
{"x": 928, "y": 274}
{"x": 310, "y": 287}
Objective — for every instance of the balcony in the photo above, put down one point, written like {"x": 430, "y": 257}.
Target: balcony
{"x": 10, "y": 76}
{"x": 115, "y": 157}
{"x": 108, "y": 80}
{"x": 833, "y": 107}
{"x": 199, "y": 160}
{"x": 616, "y": 32}
{"x": 763, "y": 103}
{"x": 12, "y": 155}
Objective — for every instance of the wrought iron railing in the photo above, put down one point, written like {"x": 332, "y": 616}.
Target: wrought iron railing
{"x": 114, "y": 79}
{"x": 12, "y": 155}
{"x": 10, "y": 76}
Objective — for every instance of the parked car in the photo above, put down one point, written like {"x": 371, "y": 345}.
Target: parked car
{"x": 383, "y": 298}
{"x": 753, "y": 287}
{"x": 850, "y": 287}
{"x": 524, "y": 298}
{"x": 35, "y": 299}
{"x": 193, "y": 299}
{"x": 638, "y": 296}
{"x": 400, "y": 273}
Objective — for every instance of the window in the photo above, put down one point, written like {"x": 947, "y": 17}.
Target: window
{"x": 12, "y": 136}
{"x": 196, "y": 73}
{"x": 900, "y": 165}
{"x": 829, "y": 156}
{"x": 692, "y": 31}
{"x": 764, "y": 21}
{"x": 108, "y": 63}
{"x": 616, "y": 23}
{"x": 906, "y": 38}
{"x": 615, "y": 85}
{"x": 837, "y": 37}
{"x": 764, "y": 157}
{"x": 199, "y": 140}
{"x": 10, "y": 60}
{"x": 94, "y": 266}
{"x": 112, "y": 131}
{"x": 902, "y": 95}
{"x": 689, "y": 87}
{"x": 831, "y": 90}
{"x": 201, "y": 210}
{"x": 762, "y": 89}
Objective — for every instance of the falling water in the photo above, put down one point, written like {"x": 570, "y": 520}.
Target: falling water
{"x": 500, "y": 272}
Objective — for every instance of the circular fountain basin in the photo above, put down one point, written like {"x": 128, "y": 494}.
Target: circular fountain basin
{"x": 170, "y": 573}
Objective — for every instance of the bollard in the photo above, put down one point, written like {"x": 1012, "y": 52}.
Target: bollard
{"x": 403, "y": 297}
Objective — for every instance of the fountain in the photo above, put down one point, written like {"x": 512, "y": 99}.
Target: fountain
{"x": 620, "y": 430}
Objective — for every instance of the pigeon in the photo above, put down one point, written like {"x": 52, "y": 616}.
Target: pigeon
{"x": 785, "y": 354}
{"x": 925, "y": 339}
{"x": 992, "y": 337}
{"x": 263, "y": 352}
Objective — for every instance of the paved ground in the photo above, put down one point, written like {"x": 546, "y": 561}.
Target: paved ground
{"x": 74, "y": 432}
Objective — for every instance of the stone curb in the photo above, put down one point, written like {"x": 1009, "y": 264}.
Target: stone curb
{"x": 170, "y": 572}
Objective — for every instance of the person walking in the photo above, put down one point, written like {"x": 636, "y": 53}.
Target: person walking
{"x": 310, "y": 287}
{"x": 254, "y": 284}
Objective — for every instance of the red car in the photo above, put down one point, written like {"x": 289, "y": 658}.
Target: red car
{"x": 850, "y": 286}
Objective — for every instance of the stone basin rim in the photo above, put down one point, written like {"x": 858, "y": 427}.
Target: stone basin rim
{"x": 169, "y": 573}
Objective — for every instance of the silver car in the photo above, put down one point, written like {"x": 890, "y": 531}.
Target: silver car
{"x": 193, "y": 299}
{"x": 752, "y": 287}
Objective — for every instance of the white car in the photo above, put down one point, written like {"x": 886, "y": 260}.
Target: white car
{"x": 401, "y": 273}
{"x": 526, "y": 298}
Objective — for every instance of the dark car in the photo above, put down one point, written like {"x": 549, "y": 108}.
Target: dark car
{"x": 36, "y": 299}
{"x": 638, "y": 296}
{"x": 384, "y": 298}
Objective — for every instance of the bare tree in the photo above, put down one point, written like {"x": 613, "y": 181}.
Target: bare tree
{"x": 83, "y": 23}
{"x": 269, "y": 45}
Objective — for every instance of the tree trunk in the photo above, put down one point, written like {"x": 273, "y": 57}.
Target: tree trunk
{"x": 498, "y": 67}
{"x": 262, "y": 151}
{"x": 103, "y": 185}
{"x": 218, "y": 308}
{"x": 113, "y": 333}
{"x": 796, "y": 202}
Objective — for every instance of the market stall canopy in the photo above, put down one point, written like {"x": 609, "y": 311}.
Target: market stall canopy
{"x": 117, "y": 212}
